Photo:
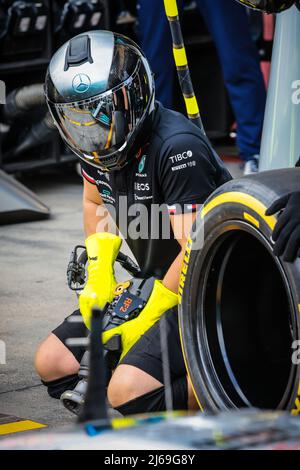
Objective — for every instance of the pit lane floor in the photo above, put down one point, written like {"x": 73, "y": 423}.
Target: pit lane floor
{"x": 35, "y": 297}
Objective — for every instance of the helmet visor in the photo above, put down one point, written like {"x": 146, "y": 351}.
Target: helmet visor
{"x": 98, "y": 128}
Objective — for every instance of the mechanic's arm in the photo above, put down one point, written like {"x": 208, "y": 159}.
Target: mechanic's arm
{"x": 286, "y": 233}
{"x": 91, "y": 201}
{"x": 102, "y": 246}
{"x": 181, "y": 225}
{"x": 96, "y": 217}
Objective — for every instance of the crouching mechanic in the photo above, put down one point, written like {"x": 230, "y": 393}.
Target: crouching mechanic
{"x": 135, "y": 156}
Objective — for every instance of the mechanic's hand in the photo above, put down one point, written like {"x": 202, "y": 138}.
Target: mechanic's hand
{"x": 160, "y": 300}
{"x": 102, "y": 250}
{"x": 286, "y": 233}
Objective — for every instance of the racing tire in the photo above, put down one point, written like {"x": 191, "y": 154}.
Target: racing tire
{"x": 239, "y": 305}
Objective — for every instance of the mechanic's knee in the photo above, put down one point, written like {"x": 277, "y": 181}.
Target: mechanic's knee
{"x": 153, "y": 400}
{"x": 53, "y": 360}
{"x": 120, "y": 391}
{"x": 127, "y": 383}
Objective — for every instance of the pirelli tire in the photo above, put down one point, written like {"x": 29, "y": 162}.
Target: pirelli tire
{"x": 239, "y": 304}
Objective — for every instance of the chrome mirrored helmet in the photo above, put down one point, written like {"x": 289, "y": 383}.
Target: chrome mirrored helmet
{"x": 268, "y": 6}
{"x": 100, "y": 90}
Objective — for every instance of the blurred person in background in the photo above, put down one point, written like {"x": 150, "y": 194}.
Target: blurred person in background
{"x": 229, "y": 26}
{"x": 286, "y": 233}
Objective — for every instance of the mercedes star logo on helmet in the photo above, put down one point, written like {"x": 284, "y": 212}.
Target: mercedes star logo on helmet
{"x": 81, "y": 83}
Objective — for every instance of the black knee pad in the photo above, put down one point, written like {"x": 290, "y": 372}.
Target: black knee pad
{"x": 155, "y": 401}
{"x": 56, "y": 388}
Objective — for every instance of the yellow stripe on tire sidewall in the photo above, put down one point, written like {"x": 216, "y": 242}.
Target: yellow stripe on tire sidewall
{"x": 243, "y": 199}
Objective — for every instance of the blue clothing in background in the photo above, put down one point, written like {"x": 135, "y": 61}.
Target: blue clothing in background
{"x": 228, "y": 24}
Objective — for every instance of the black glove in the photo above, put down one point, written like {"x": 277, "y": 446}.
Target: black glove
{"x": 286, "y": 233}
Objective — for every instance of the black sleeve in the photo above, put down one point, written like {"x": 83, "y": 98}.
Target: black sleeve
{"x": 88, "y": 172}
{"x": 187, "y": 172}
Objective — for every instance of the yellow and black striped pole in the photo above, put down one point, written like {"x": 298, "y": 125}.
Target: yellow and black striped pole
{"x": 182, "y": 64}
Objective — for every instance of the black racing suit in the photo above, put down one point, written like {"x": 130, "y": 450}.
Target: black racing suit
{"x": 176, "y": 167}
